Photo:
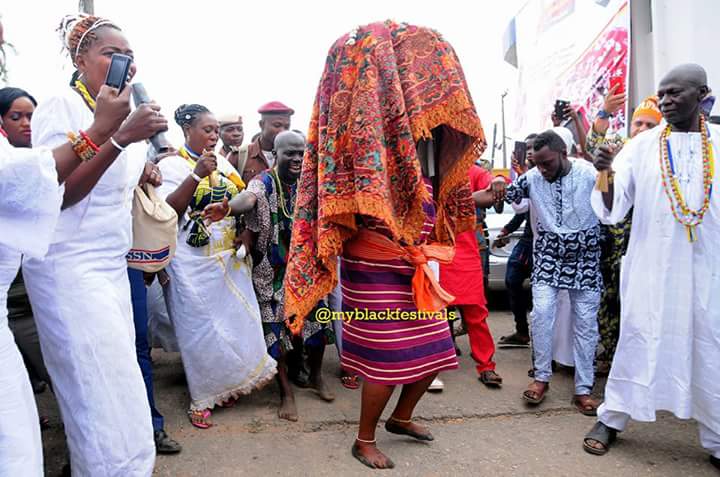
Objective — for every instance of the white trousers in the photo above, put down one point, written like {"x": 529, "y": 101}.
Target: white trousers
{"x": 619, "y": 420}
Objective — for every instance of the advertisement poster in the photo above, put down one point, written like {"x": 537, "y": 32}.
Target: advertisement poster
{"x": 569, "y": 50}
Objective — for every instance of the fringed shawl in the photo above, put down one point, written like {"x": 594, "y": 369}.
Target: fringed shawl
{"x": 385, "y": 86}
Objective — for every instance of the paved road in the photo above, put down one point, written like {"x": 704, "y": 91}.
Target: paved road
{"x": 478, "y": 431}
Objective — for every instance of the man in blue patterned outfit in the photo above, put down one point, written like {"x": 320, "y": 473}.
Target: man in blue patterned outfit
{"x": 566, "y": 256}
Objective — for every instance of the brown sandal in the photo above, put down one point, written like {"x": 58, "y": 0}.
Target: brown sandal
{"x": 490, "y": 378}
{"x": 535, "y": 393}
{"x": 585, "y": 404}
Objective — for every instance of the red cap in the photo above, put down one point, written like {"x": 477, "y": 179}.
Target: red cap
{"x": 275, "y": 107}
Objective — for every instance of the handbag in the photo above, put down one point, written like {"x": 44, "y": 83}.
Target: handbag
{"x": 155, "y": 231}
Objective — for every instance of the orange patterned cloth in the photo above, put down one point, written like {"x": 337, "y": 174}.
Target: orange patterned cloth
{"x": 428, "y": 295}
{"x": 385, "y": 87}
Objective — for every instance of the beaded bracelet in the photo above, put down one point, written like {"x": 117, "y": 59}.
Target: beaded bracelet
{"x": 83, "y": 150}
{"x": 89, "y": 141}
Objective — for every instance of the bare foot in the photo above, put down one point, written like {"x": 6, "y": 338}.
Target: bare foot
{"x": 322, "y": 389}
{"x": 408, "y": 429}
{"x": 287, "y": 409}
{"x": 371, "y": 456}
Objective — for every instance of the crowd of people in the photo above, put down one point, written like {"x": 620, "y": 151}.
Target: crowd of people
{"x": 377, "y": 208}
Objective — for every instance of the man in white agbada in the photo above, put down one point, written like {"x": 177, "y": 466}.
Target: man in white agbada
{"x": 29, "y": 210}
{"x": 80, "y": 291}
{"x": 668, "y": 355}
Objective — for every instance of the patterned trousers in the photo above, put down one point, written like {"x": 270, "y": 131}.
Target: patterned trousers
{"x": 585, "y": 333}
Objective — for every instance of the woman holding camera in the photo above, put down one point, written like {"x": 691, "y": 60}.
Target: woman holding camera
{"x": 29, "y": 211}
{"x": 80, "y": 291}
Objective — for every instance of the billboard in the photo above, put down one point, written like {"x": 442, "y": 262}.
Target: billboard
{"x": 570, "y": 50}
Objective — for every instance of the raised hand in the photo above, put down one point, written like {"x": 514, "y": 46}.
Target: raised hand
{"x": 206, "y": 164}
{"x": 604, "y": 157}
{"x": 143, "y": 123}
{"x": 571, "y": 113}
{"x": 614, "y": 102}
{"x": 520, "y": 169}
{"x": 111, "y": 109}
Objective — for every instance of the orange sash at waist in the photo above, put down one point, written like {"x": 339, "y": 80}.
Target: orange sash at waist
{"x": 427, "y": 292}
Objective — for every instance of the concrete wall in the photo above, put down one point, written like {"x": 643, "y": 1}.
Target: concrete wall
{"x": 666, "y": 33}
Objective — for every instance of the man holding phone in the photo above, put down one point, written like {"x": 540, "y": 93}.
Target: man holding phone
{"x": 564, "y": 114}
{"x": 615, "y": 237}
{"x": 646, "y": 116}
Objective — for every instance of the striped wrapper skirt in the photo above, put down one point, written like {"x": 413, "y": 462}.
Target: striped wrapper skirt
{"x": 384, "y": 339}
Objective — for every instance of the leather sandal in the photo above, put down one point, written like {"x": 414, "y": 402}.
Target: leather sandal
{"x": 585, "y": 404}
{"x": 491, "y": 379}
{"x": 533, "y": 394}
{"x": 601, "y": 434}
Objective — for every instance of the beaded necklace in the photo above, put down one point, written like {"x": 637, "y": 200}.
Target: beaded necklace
{"x": 281, "y": 194}
{"x": 82, "y": 89}
{"x": 687, "y": 217}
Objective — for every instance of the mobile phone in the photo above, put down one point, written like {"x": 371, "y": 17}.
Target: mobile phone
{"x": 117, "y": 74}
{"x": 560, "y": 107}
{"x": 617, "y": 80}
{"x": 520, "y": 152}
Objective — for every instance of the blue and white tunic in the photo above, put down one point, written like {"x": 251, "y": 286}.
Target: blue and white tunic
{"x": 567, "y": 248}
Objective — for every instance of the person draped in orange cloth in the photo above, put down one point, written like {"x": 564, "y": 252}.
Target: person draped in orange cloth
{"x": 384, "y": 186}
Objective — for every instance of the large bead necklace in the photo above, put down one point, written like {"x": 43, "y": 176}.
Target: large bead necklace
{"x": 281, "y": 195}
{"x": 687, "y": 217}
{"x": 82, "y": 89}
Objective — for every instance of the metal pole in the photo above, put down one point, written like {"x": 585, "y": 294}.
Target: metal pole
{"x": 502, "y": 112}
{"x": 87, "y": 6}
{"x": 494, "y": 145}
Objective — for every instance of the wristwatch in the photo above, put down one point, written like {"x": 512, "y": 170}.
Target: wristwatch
{"x": 602, "y": 114}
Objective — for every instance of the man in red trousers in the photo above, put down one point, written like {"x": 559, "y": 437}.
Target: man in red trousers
{"x": 463, "y": 278}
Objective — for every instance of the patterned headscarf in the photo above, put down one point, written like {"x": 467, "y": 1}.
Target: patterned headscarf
{"x": 649, "y": 107}
{"x": 385, "y": 86}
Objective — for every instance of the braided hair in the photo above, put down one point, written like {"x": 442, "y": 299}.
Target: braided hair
{"x": 187, "y": 114}
{"x": 79, "y": 32}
